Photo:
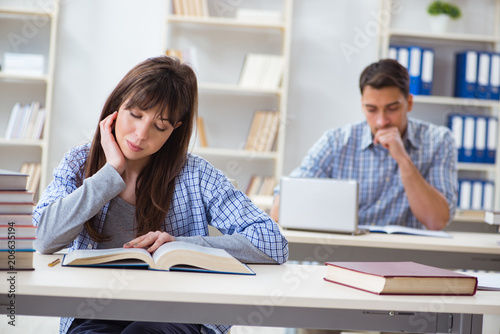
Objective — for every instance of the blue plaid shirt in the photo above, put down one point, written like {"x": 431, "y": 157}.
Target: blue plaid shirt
{"x": 348, "y": 153}
{"x": 203, "y": 196}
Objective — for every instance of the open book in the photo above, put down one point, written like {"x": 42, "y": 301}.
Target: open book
{"x": 397, "y": 229}
{"x": 176, "y": 255}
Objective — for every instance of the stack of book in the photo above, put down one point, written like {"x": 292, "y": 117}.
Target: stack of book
{"x": 17, "y": 233}
{"x": 262, "y": 71}
{"x": 188, "y": 56}
{"x": 261, "y": 186}
{"x": 26, "y": 121}
{"x": 263, "y": 131}
{"x": 191, "y": 8}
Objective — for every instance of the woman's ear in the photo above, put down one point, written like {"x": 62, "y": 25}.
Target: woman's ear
{"x": 177, "y": 124}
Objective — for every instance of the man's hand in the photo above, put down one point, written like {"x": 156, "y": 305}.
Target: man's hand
{"x": 390, "y": 138}
{"x": 113, "y": 153}
{"x": 152, "y": 240}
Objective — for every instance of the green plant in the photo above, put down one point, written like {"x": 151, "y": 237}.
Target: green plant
{"x": 441, "y": 7}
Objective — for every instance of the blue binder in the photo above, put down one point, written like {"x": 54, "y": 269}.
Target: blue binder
{"x": 468, "y": 139}
{"x": 483, "y": 76}
{"x": 456, "y": 125}
{"x": 488, "y": 195}
{"x": 464, "y": 194}
{"x": 491, "y": 139}
{"x": 404, "y": 56}
{"x": 414, "y": 69}
{"x": 495, "y": 76}
{"x": 480, "y": 139}
{"x": 427, "y": 72}
{"x": 466, "y": 74}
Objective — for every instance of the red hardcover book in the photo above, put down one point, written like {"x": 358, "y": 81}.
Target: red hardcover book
{"x": 400, "y": 278}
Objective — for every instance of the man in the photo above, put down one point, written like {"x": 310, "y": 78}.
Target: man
{"x": 406, "y": 169}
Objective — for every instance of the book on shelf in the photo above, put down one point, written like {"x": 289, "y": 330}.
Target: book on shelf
{"x": 171, "y": 256}
{"x": 187, "y": 55}
{"x": 26, "y": 121}
{"x": 261, "y": 71}
{"x": 397, "y": 229}
{"x": 263, "y": 131}
{"x": 261, "y": 186}
{"x": 34, "y": 171}
{"x": 16, "y": 219}
{"x": 23, "y": 63}
{"x": 10, "y": 180}
{"x": 202, "y": 135}
{"x": 400, "y": 278}
{"x": 191, "y": 8}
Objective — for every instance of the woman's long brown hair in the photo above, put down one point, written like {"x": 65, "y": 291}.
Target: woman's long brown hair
{"x": 166, "y": 83}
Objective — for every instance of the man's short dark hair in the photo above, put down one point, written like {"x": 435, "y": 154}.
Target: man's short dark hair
{"x": 385, "y": 73}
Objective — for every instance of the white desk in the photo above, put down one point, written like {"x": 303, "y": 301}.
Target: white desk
{"x": 465, "y": 250}
{"x": 283, "y": 296}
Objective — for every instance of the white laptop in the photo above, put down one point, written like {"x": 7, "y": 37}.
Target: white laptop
{"x": 319, "y": 204}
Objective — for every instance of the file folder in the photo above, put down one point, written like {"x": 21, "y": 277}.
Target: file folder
{"x": 491, "y": 139}
{"x": 465, "y": 194}
{"x": 427, "y": 73}
{"x": 456, "y": 125}
{"x": 468, "y": 139}
{"x": 414, "y": 67}
{"x": 483, "y": 76}
{"x": 488, "y": 195}
{"x": 466, "y": 74}
{"x": 495, "y": 76}
{"x": 480, "y": 139}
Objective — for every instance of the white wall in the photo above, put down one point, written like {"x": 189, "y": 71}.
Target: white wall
{"x": 332, "y": 41}
{"x": 99, "y": 41}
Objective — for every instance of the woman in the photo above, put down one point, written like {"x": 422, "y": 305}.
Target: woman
{"x": 136, "y": 185}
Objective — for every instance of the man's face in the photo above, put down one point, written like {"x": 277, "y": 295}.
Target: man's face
{"x": 386, "y": 107}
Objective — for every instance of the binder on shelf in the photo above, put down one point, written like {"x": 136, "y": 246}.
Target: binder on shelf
{"x": 393, "y": 52}
{"x": 404, "y": 56}
{"x": 491, "y": 140}
{"x": 466, "y": 74}
{"x": 483, "y": 76}
{"x": 414, "y": 67}
{"x": 427, "y": 72}
{"x": 464, "y": 194}
{"x": 468, "y": 140}
{"x": 477, "y": 195}
{"x": 495, "y": 76}
{"x": 488, "y": 195}
{"x": 456, "y": 125}
{"x": 480, "y": 139}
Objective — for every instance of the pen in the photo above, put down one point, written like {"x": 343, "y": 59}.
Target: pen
{"x": 53, "y": 263}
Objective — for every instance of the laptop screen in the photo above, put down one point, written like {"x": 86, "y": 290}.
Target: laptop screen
{"x": 319, "y": 204}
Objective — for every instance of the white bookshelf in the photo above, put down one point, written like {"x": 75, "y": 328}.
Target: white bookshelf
{"x": 227, "y": 127}
{"x": 42, "y": 17}
{"x": 485, "y": 36}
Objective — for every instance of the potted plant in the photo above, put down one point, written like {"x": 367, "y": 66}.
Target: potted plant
{"x": 441, "y": 12}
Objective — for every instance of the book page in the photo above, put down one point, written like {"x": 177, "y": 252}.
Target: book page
{"x": 397, "y": 229}
{"x": 95, "y": 256}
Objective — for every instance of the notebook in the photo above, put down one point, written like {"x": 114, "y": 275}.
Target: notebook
{"x": 319, "y": 204}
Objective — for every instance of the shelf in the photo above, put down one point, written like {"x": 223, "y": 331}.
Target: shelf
{"x": 25, "y": 12}
{"x": 21, "y": 142}
{"x": 23, "y": 78}
{"x": 225, "y": 22}
{"x": 457, "y": 101}
{"x": 233, "y": 88}
{"x": 445, "y": 36}
{"x": 477, "y": 167}
{"x": 232, "y": 153}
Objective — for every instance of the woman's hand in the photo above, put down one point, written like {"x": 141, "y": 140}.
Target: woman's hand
{"x": 113, "y": 153}
{"x": 153, "y": 240}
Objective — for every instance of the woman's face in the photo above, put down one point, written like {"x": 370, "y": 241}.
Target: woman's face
{"x": 141, "y": 133}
